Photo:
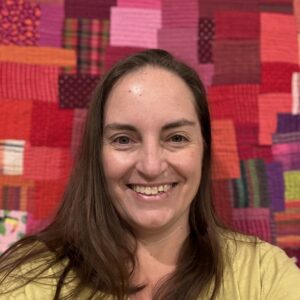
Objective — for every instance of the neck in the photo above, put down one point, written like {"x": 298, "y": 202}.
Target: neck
{"x": 163, "y": 246}
{"x": 157, "y": 256}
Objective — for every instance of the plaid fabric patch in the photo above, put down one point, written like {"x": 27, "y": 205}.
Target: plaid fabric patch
{"x": 90, "y": 38}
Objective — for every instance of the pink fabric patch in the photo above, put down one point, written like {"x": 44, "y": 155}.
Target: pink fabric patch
{"x": 155, "y": 4}
{"x": 181, "y": 42}
{"x": 136, "y": 27}
{"x": 51, "y": 26}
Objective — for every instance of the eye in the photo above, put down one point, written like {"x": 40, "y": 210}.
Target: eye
{"x": 178, "y": 138}
{"x": 122, "y": 140}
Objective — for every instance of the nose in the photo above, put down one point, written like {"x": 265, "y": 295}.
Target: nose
{"x": 152, "y": 160}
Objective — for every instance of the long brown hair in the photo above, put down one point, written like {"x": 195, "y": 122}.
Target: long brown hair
{"x": 92, "y": 239}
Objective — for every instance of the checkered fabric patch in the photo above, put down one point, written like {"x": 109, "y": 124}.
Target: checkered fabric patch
{"x": 89, "y": 38}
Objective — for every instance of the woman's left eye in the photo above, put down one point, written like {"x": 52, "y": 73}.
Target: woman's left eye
{"x": 178, "y": 138}
{"x": 123, "y": 140}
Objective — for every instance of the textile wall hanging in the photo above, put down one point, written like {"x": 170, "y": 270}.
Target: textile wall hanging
{"x": 53, "y": 53}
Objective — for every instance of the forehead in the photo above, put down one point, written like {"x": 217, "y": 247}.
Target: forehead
{"x": 150, "y": 94}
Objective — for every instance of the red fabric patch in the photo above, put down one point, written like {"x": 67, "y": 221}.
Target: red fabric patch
{"x": 236, "y": 61}
{"x": 24, "y": 81}
{"x": 51, "y": 126}
{"x": 15, "y": 119}
{"x": 236, "y": 102}
{"x": 237, "y": 25}
{"x": 114, "y": 54}
{"x": 222, "y": 200}
{"x": 47, "y": 196}
{"x": 45, "y": 163}
{"x": 276, "y": 77}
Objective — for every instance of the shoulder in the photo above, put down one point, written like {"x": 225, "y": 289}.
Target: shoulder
{"x": 262, "y": 267}
{"x": 32, "y": 278}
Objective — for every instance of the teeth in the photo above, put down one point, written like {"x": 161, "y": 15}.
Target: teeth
{"x": 154, "y": 190}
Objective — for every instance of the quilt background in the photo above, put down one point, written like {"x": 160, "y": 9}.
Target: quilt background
{"x": 53, "y": 53}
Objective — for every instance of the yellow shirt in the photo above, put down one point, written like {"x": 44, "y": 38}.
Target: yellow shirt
{"x": 254, "y": 271}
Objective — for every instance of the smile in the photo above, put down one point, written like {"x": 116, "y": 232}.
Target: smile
{"x": 151, "y": 190}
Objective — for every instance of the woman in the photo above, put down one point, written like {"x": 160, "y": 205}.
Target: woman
{"x": 137, "y": 220}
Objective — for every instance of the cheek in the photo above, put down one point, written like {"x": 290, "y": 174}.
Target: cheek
{"x": 115, "y": 164}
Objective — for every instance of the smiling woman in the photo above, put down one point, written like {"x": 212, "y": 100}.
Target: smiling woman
{"x": 137, "y": 219}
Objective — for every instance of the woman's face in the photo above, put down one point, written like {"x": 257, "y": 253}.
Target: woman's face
{"x": 152, "y": 152}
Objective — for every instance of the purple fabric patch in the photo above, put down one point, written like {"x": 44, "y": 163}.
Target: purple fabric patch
{"x": 274, "y": 172}
{"x": 287, "y": 123}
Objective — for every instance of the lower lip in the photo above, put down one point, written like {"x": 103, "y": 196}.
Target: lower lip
{"x": 151, "y": 198}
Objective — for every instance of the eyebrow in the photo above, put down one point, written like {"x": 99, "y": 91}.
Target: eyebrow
{"x": 171, "y": 125}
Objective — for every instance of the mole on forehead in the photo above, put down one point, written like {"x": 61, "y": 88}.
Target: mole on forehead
{"x": 136, "y": 89}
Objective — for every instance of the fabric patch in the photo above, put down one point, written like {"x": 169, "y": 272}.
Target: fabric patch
{"x": 237, "y": 102}
{"x": 209, "y": 7}
{"x": 51, "y": 24}
{"x": 296, "y": 93}
{"x": 222, "y": 199}
{"x": 89, "y": 38}
{"x": 12, "y": 227}
{"x": 15, "y": 119}
{"x": 181, "y": 42}
{"x": 88, "y": 9}
{"x": 179, "y": 14}
{"x": 253, "y": 221}
{"x": 288, "y": 137}
{"x": 30, "y": 82}
{"x": 292, "y": 185}
{"x": 269, "y": 105}
{"x": 75, "y": 90}
{"x": 45, "y": 163}
{"x": 11, "y": 157}
{"x": 287, "y": 123}
{"x": 276, "y": 77}
{"x": 206, "y": 73}
{"x": 114, "y": 54}
{"x": 77, "y": 129}
{"x": 236, "y": 62}
{"x": 50, "y": 126}
{"x": 47, "y": 196}
{"x": 278, "y": 38}
{"x": 251, "y": 189}
{"x": 237, "y": 25}
{"x": 19, "y": 23}
{"x": 225, "y": 156}
{"x": 276, "y": 186}
{"x": 15, "y": 192}
{"x": 135, "y": 27}
{"x": 288, "y": 225}
{"x": 287, "y": 155}
{"x": 206, "y": 36}
{"x": 154, "y": 4}
{"x": 38, "y": 55}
